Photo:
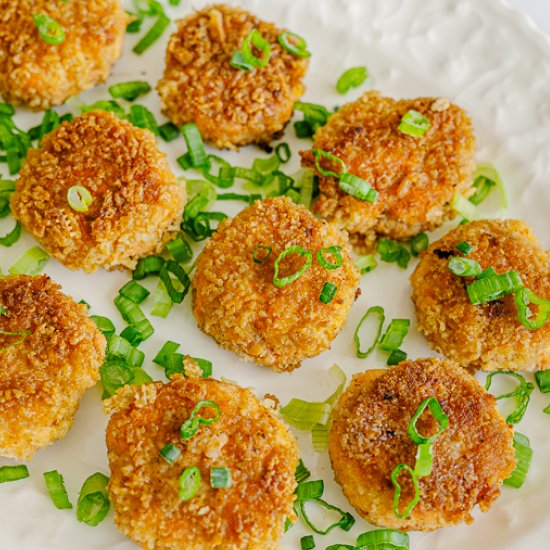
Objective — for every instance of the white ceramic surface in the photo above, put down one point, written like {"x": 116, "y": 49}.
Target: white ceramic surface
{"x": 481, "y": 55}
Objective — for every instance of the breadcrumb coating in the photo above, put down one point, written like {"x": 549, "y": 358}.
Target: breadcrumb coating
{"x": 248, "y": 439}
{"x": 231, "y": 107}
{"x": 137, "y": 202}
{"x": 43, "y": 377}
{"x": 236, "y": 302}
{"x": 41, "y": 75}
{"x": 368, "y": 439}
{"x": 487, "y": 336}
{"x": 415, "y": 176}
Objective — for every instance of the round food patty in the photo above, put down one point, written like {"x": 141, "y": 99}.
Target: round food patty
{"x": 236, "y": 301}
{"x": 368, "y": 439}
{"x": 51, "y": 358}
{"x": 248, "y": 439}
{"x": 136, "y": 201}
{"x": 487, "y": 336}
{"x": 231, "y": 107}
{"x": 41, "y": 75}
{"x": 416, "y": 177}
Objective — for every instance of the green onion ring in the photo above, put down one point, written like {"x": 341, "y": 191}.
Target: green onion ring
{"x": 437, "y": 412}
{"x": 416, "y": 498}
{"x": 79, "y": 198}
{"x": 280, "y": 282}
{"x": 189, "y": 483}
{"x": 49, "y": 29}
{"x": 319, "y": 153}
{"x": 335, "y": 251}
{"x": 294, "y": 44}
{"x": 374, "y": 310}
{"x": 523, "y": 298}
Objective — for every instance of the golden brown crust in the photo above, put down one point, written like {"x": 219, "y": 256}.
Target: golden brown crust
{"x": 137, "y": 202}
{"x": 42, "y": 75}
{"x": 487, "y": 336}
{"x": 236, "y": 302}
{"x": 43, "y": 377}
{"x": 415, "y": 176}
{"x": 248, "y": 439}
{"x": 368, "y": 438}
{"x": 230, "y": 106}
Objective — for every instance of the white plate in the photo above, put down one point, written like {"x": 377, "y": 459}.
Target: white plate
{"x": 482, "y": 56}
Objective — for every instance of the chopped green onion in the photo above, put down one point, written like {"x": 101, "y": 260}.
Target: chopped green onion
{"x": 180, "y": 249}
{"x": 283, "y": 152}
{"x": 283, "y": 281}
{"x": 162, "y": 303}
{"x": 13, "y": 473}
{"x": 223, "y": 182}
{"x": 106, "y": 105}
{"x": 319, "y": 438}
{"x": 345, "y": 522}
{"x": 170, "y": 453}
{"x": 134, "y": 316}
{"x": 424, "y": 459}
{"x": 523, "y": 298}
{"x": 49, "y": 29}
{"x": 189, "y": 483}
{"x": 352, "y": 78}
{"x": 255, "y": 39}
{"x": 266, "y": 166}
{"x": 195, "y": 145}
{"x": 308, "y": 490}
{"x": 543, "y": 380}
{"x": 439, "y": 416}
{"x": 379, "y": 312}
{"x": 93, "y": 502}
{"x": 489, "y": 272}
{"x": 521, "y": 394}
{"x": 315, "y": 116}
{"x": 414, "y": 124}
{"x": 168, "y": 348}
{"x": 328, "y": 292}
{"x": 395, "y": 334}
{"x": 79, "y": 198}
{"x": 305, "y": 181}
{"x": 220, "y": 478}
{"x": 307, "y": 542}
{"x": 153, "y": 34}
{"x": 170, "y": 266}
{"x": 303, "y": 415}
{"x": 524, "y": 455}
{"x": 151, "y": 265}
{"x": 23, "y": 334}
{"x": 395, "y": 357}
{"x": 546, "y": 409}
{"x": 30, "y": 263}
{"x": 366, "y": 263}
{"x": 104, "y": 324}
{"x": 134, "y": 292}
{"x": 56, "y": 490}
{"x": 335, "y": 251}
{"x": 319, "y": 154}
{"x": 301, "y": 472}
{"x": 294, "y": 44}
{"x": 129, "y": 90}
{"x": 419, "y": 243}
{"x": 464, "y": 267}
{"x": 258, "y": 254}
{"x": 357, "y": 187}
{"x": 416, "y": 498}
{"x": 463, "y": 207}
{"x": 7, "y": 109}
{"x": 383, "y": 538}
{"x": 393, "y": 251}
{"x": 114, "y": 375}
{"x": 133, "y": 335}
{"x": 485, "y": 177}
{"x": 190, "y": 427}
{"x": 13, "y": 236}
{"x": 464, "y": 247}
{"x": 168, "y": 131}
{"x": 141, "y": 117}
{"x": 120, "y": 348}
{"x": 493, "y": 288}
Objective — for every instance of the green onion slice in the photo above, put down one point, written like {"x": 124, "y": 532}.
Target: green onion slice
{"x": 130, "y": 90}
{"x": 49, "y": 29}
{"x": 464, "y": 247}
{"x": 523, "y": 298}
{"x": 195, "y": 145}
{"x": 294, "y": 44}
{"x": 134, "y": 291}
{"x": 120, "y": 348}
{"x": 13, "y": 473}
{"x": 489, "y": 272}
{"x": 191, "y": 425}
{"x": 352, "y": 78}
{"x": 148, "y": 266}
{"x": 261, "y": 253}
{"x": 345, "y": 522}
{"x": 93, "y": 502}
{"x": 424, "y": 459}
{"x": 168, "y": 131}
{"x": 463, "y": 207}
{"x": 79, "y": 198}
{"x": 303, "y": 415}
{"x": 414, "y": 124}
{"x": 521, "y": 394}
{"x": 439, "y": 416}
{"x": 307, "y": 542}
{"x": 56, "y": 490}
{"x": 308, "y": 490}
{"x": 170, "y": 266}
{"x": 395, "y": 357}
{"x": 464, "y": 267}
{"x": 220, "y": 478}
{"x": 395, "y": 334}
{"x": 13, "y": 236}
{"x": 335, "y": 251}
{"x": 180, "y": 249}
{"x": 170, "y": 453}
{"x": 493, "y": 288}
{"x": 134, "y": 316}
{"x": 366, "y": 263}
{"x": 256, "y": 40}
{"x": 283, "y": 152}
{"x": 328, "y": 292}
{"x": 189, "y": 483}
{"x": 383, "y": 538}
{"x": 30, "y": 263}
{"x": 114, "y": 375}
{"x": 524, "y": 455}
{"x": 283, "y": 281}
{"x": 543, "y": 380}
{"x": 416, "y": 498}
{"x": 486, "y": 177}
{"x": 374, "y": 311}
{"x": 357, "y": 187}
{"x": 168, "y": 348}
{"x": 319, "y": 154}
{"x": 152, "y": 35}
{"x": 104, "y": 324}
{"x": 162, "y": 303}
{"x": 419, "y": 243}
{"x": 301, "y": 472}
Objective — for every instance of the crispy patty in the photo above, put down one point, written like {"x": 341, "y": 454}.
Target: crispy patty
{"x": 487, "y": 336}
{"x": 136, "y": 200}
{"x": 231, "y": 107}
{"x": 236, "y": 302}
{"x": 368, "y": 439}
{"x": 41, "y": 75}
{"x": 46, "y": 366}
{"x": 248, "y": 439}
{"x": 415, "y": 176}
